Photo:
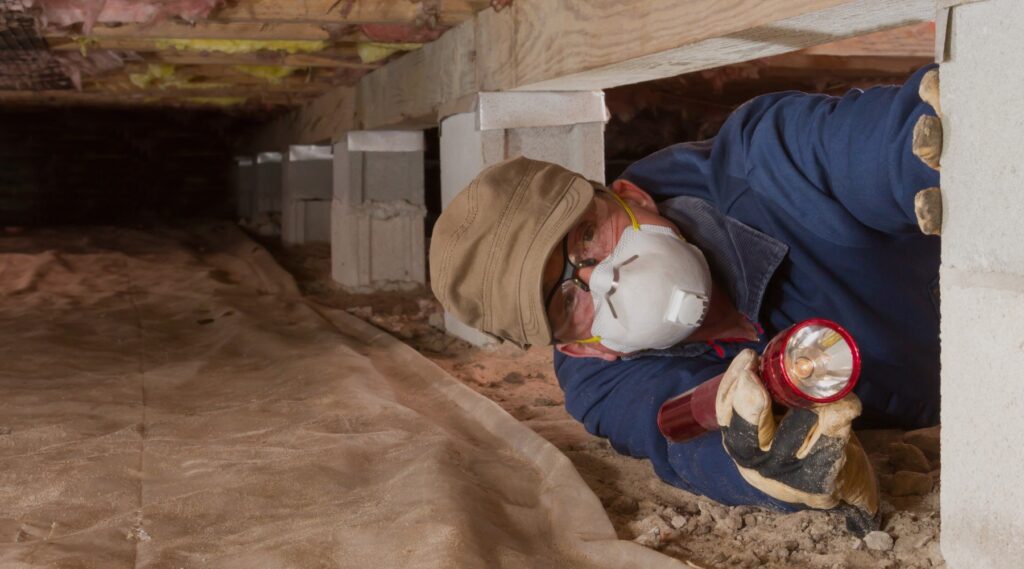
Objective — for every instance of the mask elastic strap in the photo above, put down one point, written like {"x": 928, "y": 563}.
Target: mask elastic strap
{"x": 629, "y": 212}
{"x": 632, "y": 217}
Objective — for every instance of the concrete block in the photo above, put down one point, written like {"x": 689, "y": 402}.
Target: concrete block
{"x": 518, "y": 109}
{"x": 392, "y": 176}
{"x": 386, "y": 141}
{"x": 308, "y": 173}
{"x": 983, "y": 402}
{"x": 983, "y": 288}
{"x": 982, "y": 174}
{"x": 578, "y": 147}
{"x": 305, "y": 221}
{"x": 244, "y": 178}
{"x": 360, "y": 177}
{"x": 378, "y": 246}
{"x": 268, "y": 183}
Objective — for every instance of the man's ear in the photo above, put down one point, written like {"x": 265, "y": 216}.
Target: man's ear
{"x": 632, "y": 193}
{"x": 585, "y": 351}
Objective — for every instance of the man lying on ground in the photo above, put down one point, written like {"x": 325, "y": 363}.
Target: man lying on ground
{"x": 804, "y": 206}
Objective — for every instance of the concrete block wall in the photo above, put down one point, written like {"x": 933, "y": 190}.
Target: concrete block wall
{"x": 307, "y": 190}
{"x": 378, "y": 211}
{"x": 982, "y": 288}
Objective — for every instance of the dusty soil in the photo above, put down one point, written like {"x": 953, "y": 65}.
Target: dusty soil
{"x": 641, "y": 507}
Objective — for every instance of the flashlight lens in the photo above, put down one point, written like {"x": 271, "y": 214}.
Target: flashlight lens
{"x": 818, "y": 360}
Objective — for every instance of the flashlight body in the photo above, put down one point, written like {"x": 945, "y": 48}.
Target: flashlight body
{"x": 693, "y": 413}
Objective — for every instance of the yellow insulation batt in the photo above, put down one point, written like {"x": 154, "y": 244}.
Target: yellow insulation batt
{"x": 272, "y": 73}
{"x": 242, "y": 46}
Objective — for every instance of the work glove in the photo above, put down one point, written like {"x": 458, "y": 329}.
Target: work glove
{"x": 927, "y": 145}
{"x": 810, "y": 457}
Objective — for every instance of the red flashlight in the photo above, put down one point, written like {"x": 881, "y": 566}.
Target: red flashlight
{"x": 815, "y": 361}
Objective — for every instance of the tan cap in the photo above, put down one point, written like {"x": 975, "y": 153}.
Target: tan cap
{"x": 489, "y": 247}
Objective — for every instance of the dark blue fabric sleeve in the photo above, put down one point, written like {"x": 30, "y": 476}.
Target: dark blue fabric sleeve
{"x": 620, "y": 401}
{"x": 841, "y": 167}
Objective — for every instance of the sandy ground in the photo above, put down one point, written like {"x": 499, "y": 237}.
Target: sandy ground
{"x": 640, "y": 506}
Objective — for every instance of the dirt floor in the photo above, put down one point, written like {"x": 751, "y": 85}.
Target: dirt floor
{"x": 641, "y": 507}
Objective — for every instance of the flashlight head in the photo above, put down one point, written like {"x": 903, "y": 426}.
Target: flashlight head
{"x": 815, "y": 361}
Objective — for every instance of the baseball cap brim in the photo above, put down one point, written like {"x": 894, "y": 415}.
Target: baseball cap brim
{"x": 561, "y": 218}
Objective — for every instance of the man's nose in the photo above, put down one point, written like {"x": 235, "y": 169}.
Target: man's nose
{"x": 584, "y": 274}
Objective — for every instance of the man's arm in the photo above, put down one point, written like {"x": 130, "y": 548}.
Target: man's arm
{"x": 841, "y": 167}
{"x": 620, "y": 401}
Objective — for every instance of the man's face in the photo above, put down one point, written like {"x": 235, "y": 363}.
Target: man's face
{"x": 570, "y": 307}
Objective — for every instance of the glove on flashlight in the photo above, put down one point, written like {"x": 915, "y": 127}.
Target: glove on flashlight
{"x": 815, "y": 361}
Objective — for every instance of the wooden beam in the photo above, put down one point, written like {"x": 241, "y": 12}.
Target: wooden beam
{"x": 587, "y": 45}
{"x": 155, "y": 98}
{"x": 448, "y": 12}
{"x": 593, "y": 50}
{"x": 207, "y": 30}
{"x": 907, "y": 41}
{"x": 322, "y": 120}
{"x": 409, "y": 90}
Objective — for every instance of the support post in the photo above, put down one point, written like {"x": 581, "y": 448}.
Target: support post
{"x": 377, "y": 235}
{"x": 244, "y": 177}
{"x": 566, "y": 128}
{"x": 307, "y": 189}
{"x": 982, "y": 288}
{"x": 266, "y": 208}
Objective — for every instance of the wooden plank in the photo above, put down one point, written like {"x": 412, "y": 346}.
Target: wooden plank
{"x": 907, "y": 41}
{"x": 298, "y": 60}
{"x": 149, "y": 45}
{"x": 449, "y": 12}
{"x": 410, "y": 90}
{"x": 155, "y": 99}
{"x": 681, "y": 36}
{"x": 209, "y": 30}
{"x": 593, "y": 44}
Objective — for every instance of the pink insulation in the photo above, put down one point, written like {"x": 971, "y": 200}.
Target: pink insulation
{"x": 65, "y": 13}
{"x": 96, "y": 62}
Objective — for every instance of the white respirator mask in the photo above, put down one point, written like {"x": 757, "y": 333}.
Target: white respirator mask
{"x": 652, "y": 292}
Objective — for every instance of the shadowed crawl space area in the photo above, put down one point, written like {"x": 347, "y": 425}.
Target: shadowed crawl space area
{"x": 168, "y": 399}
{"x": 640, "y": 506}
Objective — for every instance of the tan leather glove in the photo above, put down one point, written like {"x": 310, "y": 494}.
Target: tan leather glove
{"x": 810, "y": 457}
{"x": 927, "y": 145}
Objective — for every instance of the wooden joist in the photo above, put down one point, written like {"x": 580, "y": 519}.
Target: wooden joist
{"x": 447, "y": 12}
{"x": 597, "y": 45}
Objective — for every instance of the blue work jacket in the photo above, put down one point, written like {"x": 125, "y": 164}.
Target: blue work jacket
{"x": 804, "y": 207}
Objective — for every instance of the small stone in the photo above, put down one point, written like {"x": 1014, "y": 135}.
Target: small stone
{"x": 751, "y": 520}
{"x": 5, "y": 431}
{"x": 624, "y": 505}
{"x": 436, "y": 319}
{"x": 878, "y": 541}
{"x": 906, "y": 483}
{"x": 857, "y": 544}
{"x": 678, "y": 522}
{"x": 515, "y": 378}
{"x": 731, "y": 522}
{"x": 650, "y": 539}
{"x": 925, "y": 439}
{"x": 908, "y": 457}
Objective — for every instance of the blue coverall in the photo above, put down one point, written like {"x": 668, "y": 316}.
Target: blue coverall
{"x": 804, "y": 206}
